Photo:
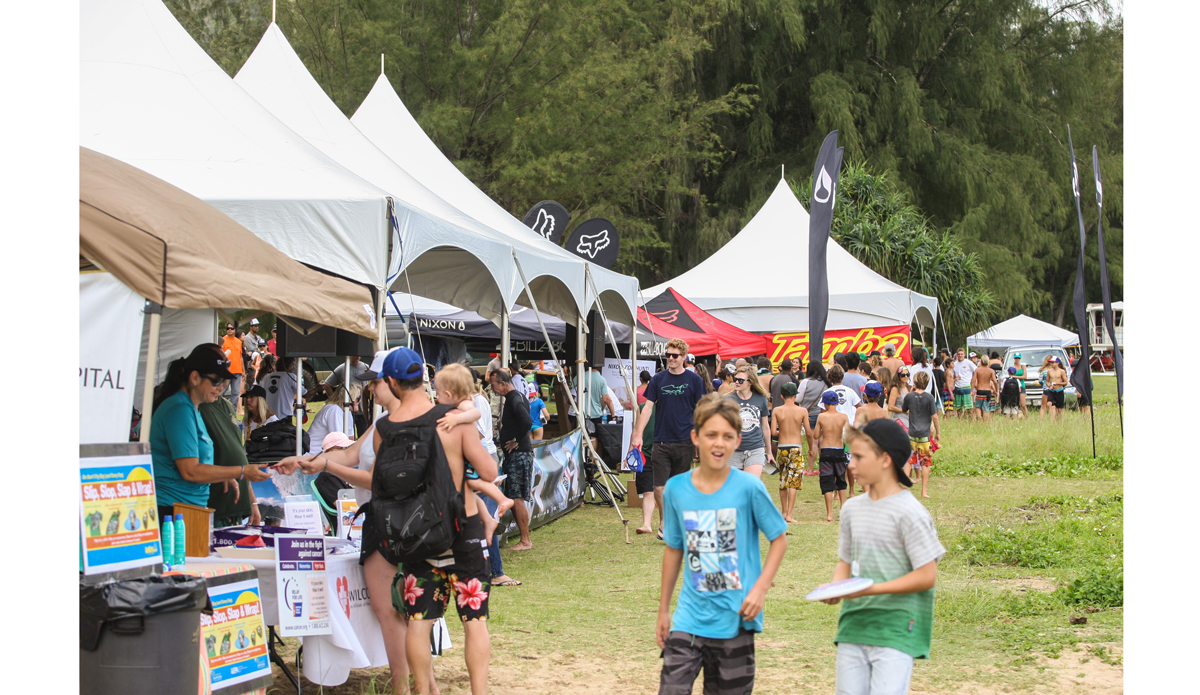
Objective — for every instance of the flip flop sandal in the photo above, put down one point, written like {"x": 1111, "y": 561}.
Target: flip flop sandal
{"x": 507, "y": 582}
{"x": 660, "y": 536}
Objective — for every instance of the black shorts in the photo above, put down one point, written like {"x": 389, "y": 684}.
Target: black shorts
{"x": 370, "y": 539}
{"x": 832, "y": 467}
{"x": 421, "y": 590}
{"x": 671, "y": 459}
{"x": 728, "y": 664}
{"x": 1055, "y": 398}
{"x": 518, "y": 466}
{"x": 644, "y": 481}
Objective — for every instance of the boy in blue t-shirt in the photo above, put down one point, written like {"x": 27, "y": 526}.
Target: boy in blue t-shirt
{"x": 711, "y": 520}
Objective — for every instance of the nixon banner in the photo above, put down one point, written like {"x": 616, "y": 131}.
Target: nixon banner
{"x": 794, "y": 346}
{"x": 1105, "y": 292}
{"x": 1081, "y": 375}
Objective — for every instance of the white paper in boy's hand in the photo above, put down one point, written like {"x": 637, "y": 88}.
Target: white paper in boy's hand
{"x": 845, "y": 587}
{"x": 499, "y": 479}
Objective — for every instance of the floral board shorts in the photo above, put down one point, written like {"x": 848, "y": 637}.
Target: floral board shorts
{"x": 421, "y": 591}
{"x": 790, "y": 461}
{"x": 922, "y": 455}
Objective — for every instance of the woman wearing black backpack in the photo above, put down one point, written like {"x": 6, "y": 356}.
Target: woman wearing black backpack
{"x": 412, "y": 459}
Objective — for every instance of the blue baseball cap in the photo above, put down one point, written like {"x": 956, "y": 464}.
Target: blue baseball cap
{"x": 403, "y": 363}
{"x": 1012, "y": 370}
{"x": 829, "y": 398}
{"x": 873, "y": 389}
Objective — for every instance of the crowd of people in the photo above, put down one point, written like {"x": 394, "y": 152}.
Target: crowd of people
{"x": 865, "y": 425}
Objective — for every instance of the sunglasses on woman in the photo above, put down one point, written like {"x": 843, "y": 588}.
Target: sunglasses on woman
{"x": 740, "y": 381}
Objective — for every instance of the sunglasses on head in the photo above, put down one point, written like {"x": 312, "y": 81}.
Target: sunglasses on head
{"x": 673, "y": 355}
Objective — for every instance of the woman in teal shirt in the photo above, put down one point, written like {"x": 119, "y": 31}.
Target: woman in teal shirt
{"x": 180, "y": 448}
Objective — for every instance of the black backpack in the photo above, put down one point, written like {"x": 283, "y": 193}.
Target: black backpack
{"x": 415, "y": 508}
{"x": 274, "y": 441}
{"x": 1010, "y": 392}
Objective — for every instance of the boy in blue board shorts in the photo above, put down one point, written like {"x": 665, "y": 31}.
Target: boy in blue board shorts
{"x": 711, "y": 518}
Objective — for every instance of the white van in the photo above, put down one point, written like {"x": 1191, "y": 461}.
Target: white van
{"x": 1032, "y": 357}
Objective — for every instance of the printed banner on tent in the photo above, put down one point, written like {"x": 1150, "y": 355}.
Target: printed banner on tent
{"x": 794, "y": 346}
{"x": 110, "y": 328}
{"x": 118, "y": 513}
{"x": 557, "y": 488}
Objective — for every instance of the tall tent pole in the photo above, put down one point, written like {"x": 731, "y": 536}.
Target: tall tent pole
{"x": 566, "y": 389}
{"x": 155, "y": 312}
{"x": 505, "y": 339}
{"x": 347, "y": 417}
{"x": 298, "y": 409}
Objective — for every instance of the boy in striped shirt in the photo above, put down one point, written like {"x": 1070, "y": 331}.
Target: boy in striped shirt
{"x": 888, "y": 536}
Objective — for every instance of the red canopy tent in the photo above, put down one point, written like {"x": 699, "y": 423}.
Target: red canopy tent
{"x": 671, "y": 315}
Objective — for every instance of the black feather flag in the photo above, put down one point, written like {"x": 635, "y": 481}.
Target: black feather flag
{"x": 1106, "y": 294}
{"x": 1081, "y": 375}
{"x": 820, "y": 219}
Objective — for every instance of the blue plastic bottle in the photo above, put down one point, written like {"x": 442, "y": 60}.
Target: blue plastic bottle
{"x": 167, "y": 541}
{"x": 180, "y": 542}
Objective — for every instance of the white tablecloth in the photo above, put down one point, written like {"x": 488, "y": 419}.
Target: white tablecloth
{"x": 357, "y": 640}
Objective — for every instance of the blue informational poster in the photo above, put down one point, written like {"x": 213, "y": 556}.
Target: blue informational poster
{"x": 118, "y": 513}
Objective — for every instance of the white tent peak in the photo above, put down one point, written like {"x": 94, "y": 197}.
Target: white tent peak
{"x": 150, "y": 96}
{"x": 385, "y": 119}
{"x": 1023, "y": 331}
{"x": 777, "y": 300}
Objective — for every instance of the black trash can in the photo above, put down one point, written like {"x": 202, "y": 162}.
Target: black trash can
{"x": 141, "y": 636}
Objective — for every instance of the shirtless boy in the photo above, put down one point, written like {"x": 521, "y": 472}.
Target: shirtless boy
{"x": 871, "y": 410}
{"x": 983, "y": 383}
{"x": 1056, "y": 383}
{"x": 827, "y": 435}
{"x": 789, "y": 424}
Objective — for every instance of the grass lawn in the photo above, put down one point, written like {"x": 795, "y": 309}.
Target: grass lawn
{"x": 1029, "y": 593}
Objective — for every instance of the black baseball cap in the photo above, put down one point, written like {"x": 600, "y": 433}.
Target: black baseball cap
{"x": 256, "y": 391}
{"x": 208, "y": 361}
{"x": 891, "y": 437}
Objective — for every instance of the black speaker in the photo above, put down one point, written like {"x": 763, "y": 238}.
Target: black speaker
{"x": 596, "y": 339}
{"x": 326, "y": 341}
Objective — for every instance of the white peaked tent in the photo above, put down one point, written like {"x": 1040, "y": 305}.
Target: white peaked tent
{"x": 151, "y": 97}
{"x": 384, "y": 119}
{"x": 449, "y": 256}
{"x": 771, "y": 294}
{"x": 1023, "y": 331}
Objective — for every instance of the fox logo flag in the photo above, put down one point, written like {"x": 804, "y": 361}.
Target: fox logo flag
{"x": 824, "y": 197}
{"x": 595, "y": 240}
{"x": 549, "y": 219}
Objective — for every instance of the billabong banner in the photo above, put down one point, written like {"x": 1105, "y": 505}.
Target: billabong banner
{"x": 557, "y": 488}
{"x": 794, "y": 346}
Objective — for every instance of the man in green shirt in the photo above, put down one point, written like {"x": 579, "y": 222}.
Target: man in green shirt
{"x": 233, "y": 500}
{"x": 888, "y": 536}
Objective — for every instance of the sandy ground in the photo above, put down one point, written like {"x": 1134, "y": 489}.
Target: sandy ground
{"x": 1075, "y": 673}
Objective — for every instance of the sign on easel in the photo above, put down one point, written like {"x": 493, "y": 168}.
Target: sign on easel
{"x": 302, "y": 587}
{"x": 118, "y": 513}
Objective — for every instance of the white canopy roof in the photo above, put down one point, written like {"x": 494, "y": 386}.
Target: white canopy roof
{"x": 473, "y": 265}
{"x": 773, "y": 296}
{"x": 1023, "y": 331}
{"x": 384, "y": 119}
{"x": 151, "y": 97}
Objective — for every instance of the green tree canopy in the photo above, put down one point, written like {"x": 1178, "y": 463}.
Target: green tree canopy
{"x": 671, "y": 118}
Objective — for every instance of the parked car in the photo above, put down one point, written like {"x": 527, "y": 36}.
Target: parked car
{"x": 1032, "y": 357}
